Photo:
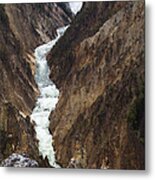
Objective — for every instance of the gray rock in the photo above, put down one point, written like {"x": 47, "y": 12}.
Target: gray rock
{"x": 19, "y": 160}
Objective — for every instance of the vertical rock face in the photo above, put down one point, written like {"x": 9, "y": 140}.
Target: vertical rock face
{"x": 99, "y": 68}
{"x": 22, "y": 28}
{"x": 17, "y": 134}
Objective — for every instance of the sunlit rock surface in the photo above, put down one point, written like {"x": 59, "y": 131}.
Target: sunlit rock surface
{"x": 98, "y": 66}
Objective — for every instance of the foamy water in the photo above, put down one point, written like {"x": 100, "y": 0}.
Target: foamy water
{"x": 47, "y": 100}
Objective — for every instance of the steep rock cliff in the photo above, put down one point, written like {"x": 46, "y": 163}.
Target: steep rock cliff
{"x": 22, "y": 28}
{"x": 98, "y": 66}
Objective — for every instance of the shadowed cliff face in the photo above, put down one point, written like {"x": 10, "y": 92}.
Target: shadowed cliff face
{"x": 22, "y": 28}
{"x": 98, "y": 66}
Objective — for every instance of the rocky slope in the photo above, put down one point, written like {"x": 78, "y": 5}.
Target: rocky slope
{"x": 98, "y": 66}
{"x": 22, "y": 28}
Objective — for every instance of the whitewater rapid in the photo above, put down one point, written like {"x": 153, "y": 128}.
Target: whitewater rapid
{"x": 46, "y": 101}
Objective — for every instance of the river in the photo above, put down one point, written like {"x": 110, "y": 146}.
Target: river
{"x": 46, "y": 101}
{"x": 48, "y": 98}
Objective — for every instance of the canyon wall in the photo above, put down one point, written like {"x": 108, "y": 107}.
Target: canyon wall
{"x": 22, "y": 28}
{"x": 98, "y": 66}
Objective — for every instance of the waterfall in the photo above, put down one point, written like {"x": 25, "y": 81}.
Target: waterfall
{"x": 46, "y": 101}
{"x": 75, "y": 6}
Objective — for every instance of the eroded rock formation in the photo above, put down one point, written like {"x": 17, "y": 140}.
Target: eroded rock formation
{"x": 22, "y": 28}
{"x": 98, "y": 66}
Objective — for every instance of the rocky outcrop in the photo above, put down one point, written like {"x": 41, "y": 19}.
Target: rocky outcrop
{"x": 19, "y": 160}
{"x": 98, "y": 66}
{"x": 22, "y": 28}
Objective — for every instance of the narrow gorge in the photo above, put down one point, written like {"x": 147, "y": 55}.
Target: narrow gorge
{"x": 72, "y": 79}
{"x": 22, "y": 28}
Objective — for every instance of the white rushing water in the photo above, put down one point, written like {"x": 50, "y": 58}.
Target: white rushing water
{"x": 47, "y": 100}
{"x": 75, "y": 6}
